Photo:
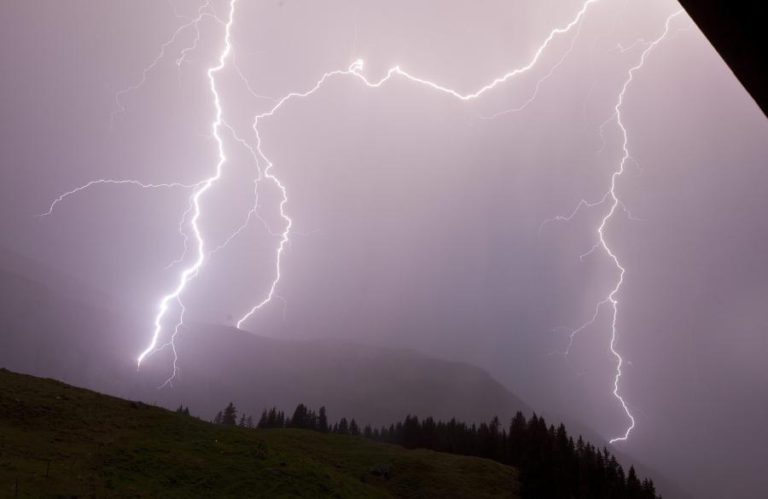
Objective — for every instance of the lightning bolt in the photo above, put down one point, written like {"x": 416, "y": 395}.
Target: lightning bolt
{"x": 172, "y": 345}
{"x": 355, "y": 70}
{"x": 582, "y": 204}
{"x": 92, "y": 183}
{"x": 615, "y": 203}
{"x": 200, "y": 188}
{"x": 192, "y": 215}
{"x": 541, "y": 81}
{"x": 189, "y": 273}
{"x": 203, "y": 12}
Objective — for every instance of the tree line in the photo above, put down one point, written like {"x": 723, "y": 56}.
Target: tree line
{"x": 550, "y": 462}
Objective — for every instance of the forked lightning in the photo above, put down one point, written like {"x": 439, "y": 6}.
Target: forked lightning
{"x": 265, "y": 167}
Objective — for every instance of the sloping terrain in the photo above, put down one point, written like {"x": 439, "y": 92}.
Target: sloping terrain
{"x": 58, "y": 440}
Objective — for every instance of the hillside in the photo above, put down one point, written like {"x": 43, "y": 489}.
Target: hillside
{"x": 56, "y": 439}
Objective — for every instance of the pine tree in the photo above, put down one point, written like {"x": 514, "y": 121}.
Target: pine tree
{"x": 550, "y": 462}
{"x": 272, "y": 418}
{"x": 263, "y": 421}
{"x": 322, "y": 423}
{"x": 229, "y": 417}
{"x": 649, "y": 490}
{"x": 343, "y": 428}
{"x": 634, "y": 487}
{"x": 300, "y": 417}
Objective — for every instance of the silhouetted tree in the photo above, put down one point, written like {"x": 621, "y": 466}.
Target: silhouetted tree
{"x": 353, "y": 428}
{"x": 550, "y": 463}
{"x": 303, "y": 418}
{"x": 343, "y": 428}
{"x": 322, "y": 420}
{"x": 272, "y": 419}
{"x": 229, "y": 417}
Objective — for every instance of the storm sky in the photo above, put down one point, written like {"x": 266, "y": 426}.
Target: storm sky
{"x": 418, "y": 217}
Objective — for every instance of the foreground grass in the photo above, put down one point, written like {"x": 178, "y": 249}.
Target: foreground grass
{"x": 60, "y": 441}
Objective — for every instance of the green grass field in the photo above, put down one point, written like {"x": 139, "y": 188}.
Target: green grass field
{"x": 60, "y": 441}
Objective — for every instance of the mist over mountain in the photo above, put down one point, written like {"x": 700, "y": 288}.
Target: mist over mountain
{"x": 49, "y": 328}
{"x": 47, "y": 332}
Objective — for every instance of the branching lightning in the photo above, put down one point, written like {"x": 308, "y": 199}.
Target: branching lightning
{"x": 355, "y": 69}
{"x": 615, "y": 203}
{"x": 601, "y": 229}
{"x": 265, "y": 171}
{"x": 541, "y": 81}
{"x": 192, "y": 271}
{"x": 93, "y": 183}
{"x": 203, "y": 12}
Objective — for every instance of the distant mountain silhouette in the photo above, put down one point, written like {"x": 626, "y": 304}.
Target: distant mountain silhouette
{"x": 372, "y": 384}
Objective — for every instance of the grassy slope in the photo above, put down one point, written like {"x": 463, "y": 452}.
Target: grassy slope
{"x": 91, "y": 444}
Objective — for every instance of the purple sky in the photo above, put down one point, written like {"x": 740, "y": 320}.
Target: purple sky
{"x": 417, "y": 221}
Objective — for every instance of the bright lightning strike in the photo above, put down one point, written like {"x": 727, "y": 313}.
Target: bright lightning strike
{"x": 539, "y": 83}
{"x": 601, "y": 230}
{"x": 192, "y": 271}
{"x": 355, "y": 69}
{"x": 93, "y": 183}
{"x": 615, "y": 203}
{"x": 203, "y": 12}
{"x": 192, "y": 215}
